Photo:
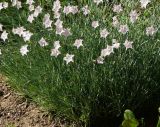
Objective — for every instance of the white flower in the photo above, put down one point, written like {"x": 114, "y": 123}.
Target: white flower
{"x": 144, "y": 3}
{"x": 0, "y": 52}
{"x": 19, "y": 4}
{"x": 104, "y": 33}
{"x": 150, "y": 31}
{"x": 74, "y": 9}
{"x": 30, "y": 18}
{"x": 95, "y": 24}
{"x": 117, "y": 8}
{"x": 59, "y": 23}
{"x": 5, "y": 5}
{"x": 85, "y": 10}
{"x": 97, "y": 1}
{"x": 56, "y": 6}
{"x": 78, "y": 43}
{"x": 100, "y": 60}
{"x": 4, "y": 36}
{"x": 14, "y": 2}
{"x": 115, "y": 22}
{"x": 55, "y": 52}
{"x": 57, "y": 15}
{"x": 1, "y": 6}
{"x": 133, "y": 16}
{"x": 66, "y": 9}
{"x": 68, "y": 58}
{"x": 19, "y": 31}
{"x": 128, "y": 44}
{"x": 115, "y": 44}
{"x": 107, "y": 51}
{"x": 24, "y": 50}
{"x": 1, "y": 27}
{"x": 123, "y": 29}
{"x": 27, "y": 35}
{"x": 66, "y": 32}
{"x": 59, "y": 30}
{"x": 43, "y": 42}
{"x": 31, "y": 7}
{"x": 46, "y": 21}
{"x": 30, "y": 2}
{"x": 57, "y": 45}
{"x": 37, "y": 11}
{"x": 70, "y": 9}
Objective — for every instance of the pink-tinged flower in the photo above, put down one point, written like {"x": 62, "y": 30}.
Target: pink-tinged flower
{"x": 1, "y": 27}
{"x": 128, "y": 44}
{"x": 30, "y": 2}
{"x": 133, "y": 16}
{"x": 27, "y": 35}
{"x": 68, "y": 58}
{"x": 66, "y": 32}
{"x": 30, "y": 18}
{"x": 4, "y": 36}
{"x": 123, "y": 29}
{"x": 19, "y": 30}
{"x": 59, "y": 23}
{"x": 95, "y": 24}
{"x": 56, "y": 6}
{"x": 70, "y": 9}
{"x": 46, "y": 21}
{"x": 104, "y": 33}
{"x": 55, "y": 52}
{"x": 98, "y": 1}
{"x": 115, "y": 44}
{"x": 150, "y": 31}
{"x": 144, "y": 3}
{"x": 43, "y": 42}
{"x": 59, "y": 30}
{"x": 85, "y": 10}
{"x": 57, "y": 45}
{"x": 117, "y": 8}
{"x": 107, "y": 51}
{"x": 24, "y": 50}
{"x": 78, "y": 43}
{"x": 66, "y": 10}
{"x": 100, "y": 60}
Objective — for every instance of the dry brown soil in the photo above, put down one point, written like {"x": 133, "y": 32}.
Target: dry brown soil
{"x": 17, "y": 111}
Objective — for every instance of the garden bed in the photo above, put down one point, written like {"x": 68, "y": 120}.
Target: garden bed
{"x": 18, "y": 111}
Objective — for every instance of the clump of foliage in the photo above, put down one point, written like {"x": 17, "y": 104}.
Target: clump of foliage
{"x": 131, "y": 121}
{"x": 82, "y": 58}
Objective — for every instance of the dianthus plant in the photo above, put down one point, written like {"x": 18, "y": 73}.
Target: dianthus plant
{"x": 82, "y": 58}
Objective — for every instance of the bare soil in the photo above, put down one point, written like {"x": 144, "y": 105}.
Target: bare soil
{"x": 17, "y": 111}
